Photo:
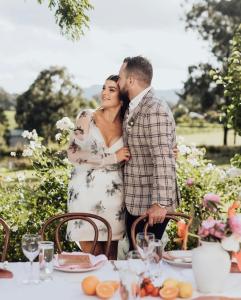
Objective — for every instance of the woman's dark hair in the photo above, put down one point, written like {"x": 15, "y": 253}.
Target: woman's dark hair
{"x": 125, "y": 101}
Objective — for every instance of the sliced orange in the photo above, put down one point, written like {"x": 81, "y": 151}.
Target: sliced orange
{"x": 114, "y": 283}
{"x": 169, "y": 293}
{"x": 105, "y": 290}
{"x": 89, "y": 284}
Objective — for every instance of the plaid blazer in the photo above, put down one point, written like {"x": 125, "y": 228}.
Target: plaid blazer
{"x": 150, "y": 174}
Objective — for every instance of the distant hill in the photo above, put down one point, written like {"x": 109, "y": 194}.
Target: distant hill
{"x": 7, "y": 100}
{"x": 169, "y": 96}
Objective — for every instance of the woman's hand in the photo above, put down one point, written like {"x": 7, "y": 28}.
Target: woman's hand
{"x": 123, "y": 154}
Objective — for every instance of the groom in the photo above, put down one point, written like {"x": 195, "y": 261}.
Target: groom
{"x": 150, "y": 185}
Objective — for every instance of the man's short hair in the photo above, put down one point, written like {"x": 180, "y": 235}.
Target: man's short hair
{"x": 140, "y": 67}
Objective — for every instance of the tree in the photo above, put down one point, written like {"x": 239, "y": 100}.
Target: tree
{"x": 215, "y": 21}
{"x": 70, "y": 16}
{"x": 52, "y": 96}
{"x": 7, "y": 101}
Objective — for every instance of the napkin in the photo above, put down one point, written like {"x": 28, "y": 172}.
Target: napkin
{"x": 5, "y": 273}
{"x": 78, "y": 260}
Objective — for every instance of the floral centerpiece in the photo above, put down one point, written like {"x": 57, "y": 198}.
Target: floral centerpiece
{"x": 219, "y": 232}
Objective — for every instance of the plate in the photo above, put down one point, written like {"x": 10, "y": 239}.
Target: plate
{"x": 80, "y": 270}
{"x": 178, "y": 258}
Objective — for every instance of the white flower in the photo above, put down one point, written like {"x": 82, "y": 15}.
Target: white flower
{"x": 231, "y": 243}
{"x": 14, "y": 228}
{"x": 233, "y": 172}
{"x": 33, "y": 145}
{"x": 196, "y": 151}
{"x": 65, "y": 124}
{"x": 26, "y": 134}
{"x": 27, "y": 152}
{"x": 194, "y": 162}
{"x": 183, "y": 149}
{"x": 13, "y": 153}
{"x": 21, "y": 177}
{"x": 58, "y": 136}
{"x": 210, "y": 167}
{"x": 8, "y": 179}
{"x": 34, "y": 134}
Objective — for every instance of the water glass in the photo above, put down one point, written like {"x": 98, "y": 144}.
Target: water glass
{"x": 46, "y": 255}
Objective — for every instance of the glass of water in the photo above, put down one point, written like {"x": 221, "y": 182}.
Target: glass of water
{"x": 46, "y": 255}
{"x": 30, "y": 247}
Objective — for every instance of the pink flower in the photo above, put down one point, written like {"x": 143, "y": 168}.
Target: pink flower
{"x": 235, "y": 224}
{"x": 211, "y": 197}
{"x": 211, "y": 227}
{"x": 190, "y": 181}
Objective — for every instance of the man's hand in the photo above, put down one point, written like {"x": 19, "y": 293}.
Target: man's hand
{"x": 156, "y": 214}
{"x": 175, "y": 151}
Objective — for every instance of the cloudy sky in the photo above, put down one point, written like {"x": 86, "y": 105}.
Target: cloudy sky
{"x": 30, "y": 42}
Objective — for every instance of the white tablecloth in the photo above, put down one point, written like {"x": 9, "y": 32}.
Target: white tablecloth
{"x": 67, "y": 286}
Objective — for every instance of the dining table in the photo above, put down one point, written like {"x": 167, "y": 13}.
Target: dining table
{"x": 67, "y": 285}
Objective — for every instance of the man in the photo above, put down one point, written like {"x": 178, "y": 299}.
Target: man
{"x": 150, "y": 185}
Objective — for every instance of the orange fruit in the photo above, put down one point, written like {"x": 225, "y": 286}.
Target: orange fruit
{"x": 89, "y": 284}
{"x": 149, "y": 288}
{"x": 114, "y": 283}
{"x": 142, "y": 292}
{"x": 169, "y": 293}
{"x": 105, "y": 290}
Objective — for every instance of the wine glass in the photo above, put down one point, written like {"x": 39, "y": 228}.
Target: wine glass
{"x": 144, "y": 246}
{"x": 30, "y": 247}
{"x": 157, "y": 247}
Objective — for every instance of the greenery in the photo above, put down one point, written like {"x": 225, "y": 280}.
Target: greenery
{"x": 52, "y": 96}
{"x": 70, "y": 15}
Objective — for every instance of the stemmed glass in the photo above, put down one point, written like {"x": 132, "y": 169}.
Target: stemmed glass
{"x": 157, "y": 247}
{"x": 30, "y": 247}
{"x": 144, "y": 247}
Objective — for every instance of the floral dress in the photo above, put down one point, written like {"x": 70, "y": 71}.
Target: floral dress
{"x": 96, "y": 181}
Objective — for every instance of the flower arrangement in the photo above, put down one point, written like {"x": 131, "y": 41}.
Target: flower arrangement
{"x": 215, "y": 225}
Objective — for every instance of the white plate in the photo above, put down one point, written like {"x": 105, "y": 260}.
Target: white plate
{"x": 183, "y": 258}
{"x": 75, "y": 270}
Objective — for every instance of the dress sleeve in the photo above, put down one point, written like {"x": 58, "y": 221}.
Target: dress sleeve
{"x": 81, "y": 151}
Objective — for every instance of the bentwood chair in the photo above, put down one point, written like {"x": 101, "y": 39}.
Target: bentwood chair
{"x": 6, "y": 235}
{"x": 58, "y": 221}
{"x": 170, "y": 216}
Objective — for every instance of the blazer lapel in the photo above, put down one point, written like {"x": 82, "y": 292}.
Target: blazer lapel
{"x": 131, "y": 122}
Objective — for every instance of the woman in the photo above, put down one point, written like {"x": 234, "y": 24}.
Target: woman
{"x": 96, "y": 150}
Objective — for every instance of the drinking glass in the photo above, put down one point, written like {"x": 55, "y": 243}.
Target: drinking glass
{"x": 131, "y": 276}
{"x": 144, "y": 247}
{"x": 46, "y": 255}
{"x": 30, "y": 247}
{"x": 157, "y": 247}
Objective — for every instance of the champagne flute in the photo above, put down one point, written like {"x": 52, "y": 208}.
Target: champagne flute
{"x": 30, "y": 247}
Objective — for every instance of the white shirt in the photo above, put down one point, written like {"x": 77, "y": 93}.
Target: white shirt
{"x": 136, "y": 100}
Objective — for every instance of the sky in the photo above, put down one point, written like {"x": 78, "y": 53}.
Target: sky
{"x": 30, "y": 41}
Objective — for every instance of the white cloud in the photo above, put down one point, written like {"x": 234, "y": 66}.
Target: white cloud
{"x": 30, "y": 42}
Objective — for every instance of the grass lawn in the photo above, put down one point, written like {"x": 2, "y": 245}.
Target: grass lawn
{"x": 10, "y": 114}
{"x": 210, "y": 136}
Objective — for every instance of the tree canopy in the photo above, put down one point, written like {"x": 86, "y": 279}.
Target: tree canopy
{"x": 52, "y": 96}
{"x": 70, "y": 15}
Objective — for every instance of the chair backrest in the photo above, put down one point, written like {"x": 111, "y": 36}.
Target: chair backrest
{"x": 61, "y": 219}
{"x": 171, "y": 216}
{"x": 6, "y": 230}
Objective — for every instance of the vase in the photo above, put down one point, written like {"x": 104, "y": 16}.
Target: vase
{"x": 211, "y": 266}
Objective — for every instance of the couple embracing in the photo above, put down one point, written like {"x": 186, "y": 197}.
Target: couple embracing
{"x": 124, "y": 159}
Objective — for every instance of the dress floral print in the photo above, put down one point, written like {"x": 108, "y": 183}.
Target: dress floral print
{"x": 96, "y": 181}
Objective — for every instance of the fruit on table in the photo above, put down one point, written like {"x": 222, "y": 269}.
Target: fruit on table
{"x": 89, "y": 285}
{"x": 185, "y": 290}
{"x": 169, "y": 292}
{"x": 114, "y": 283}
{"x": 170, "y": 282}
{"x": 105, "y": 290}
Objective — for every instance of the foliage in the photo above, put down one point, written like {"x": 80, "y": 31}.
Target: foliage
{"x": 70, "y": 15}
{"x": 52, "y": 96}
{"x": 7, "y": 101}
{"x": 215, "y": 21}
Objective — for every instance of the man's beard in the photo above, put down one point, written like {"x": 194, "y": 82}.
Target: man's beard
{"x": 124, "y": 95}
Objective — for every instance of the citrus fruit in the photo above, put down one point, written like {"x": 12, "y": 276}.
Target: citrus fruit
{"x": 170, "y": 282}
{"x": 185, "y": 290}
{"x": 89, "y": 284}
{"x": 169, "y": 293}
{"x": 105, "y": 290}
{"x": 114, "y": 283}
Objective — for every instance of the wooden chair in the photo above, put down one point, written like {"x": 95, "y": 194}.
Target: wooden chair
{"x": 171, "y": 216}
{"x": 64, "y": 218}
{"x": 6, "y": 230}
